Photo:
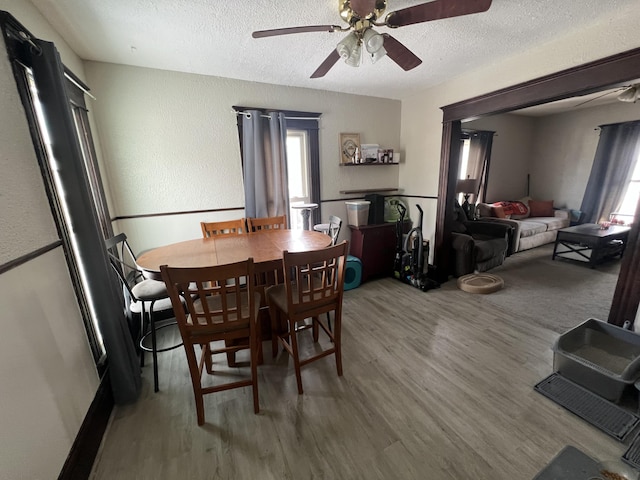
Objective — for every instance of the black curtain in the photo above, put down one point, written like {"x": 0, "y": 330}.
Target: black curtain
{"x": 124, "y": 368}
{"x": 84, "y": 227}
{"x": 479, "y": 160}
{"x": 616, "y": 154}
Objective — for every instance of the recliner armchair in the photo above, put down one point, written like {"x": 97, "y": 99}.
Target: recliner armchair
{"x": 477, "y": 246}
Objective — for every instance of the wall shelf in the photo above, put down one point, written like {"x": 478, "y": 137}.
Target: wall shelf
{"x": 369, "y": 190}
{"x": 367, "y": 164}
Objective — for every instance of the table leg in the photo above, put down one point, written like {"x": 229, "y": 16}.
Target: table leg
{"x": 306, "y": 213}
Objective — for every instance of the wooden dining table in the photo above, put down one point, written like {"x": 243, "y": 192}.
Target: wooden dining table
{"x": 264, "y": 247}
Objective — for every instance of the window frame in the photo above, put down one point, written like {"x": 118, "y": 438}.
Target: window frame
{"x": 297, "y": 120}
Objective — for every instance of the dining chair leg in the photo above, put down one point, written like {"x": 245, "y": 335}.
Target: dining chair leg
{"x": 254, "y": 372}
{"x": 315, "y": 329}
{"x": 274, "y": 315}
{"x": 259, "y": 341}
{"x": 141, "y": 336}
{"x": 196, "y": 380}
{"x": 154, "y": 348}
{"x": 206, "y": 353}
{"x": 293, "y": 339}
{"x": 231, "y": 356}
{"x": 337, "y": 344}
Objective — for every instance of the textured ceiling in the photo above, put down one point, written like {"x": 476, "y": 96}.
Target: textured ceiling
{"x": 213, "y": 37}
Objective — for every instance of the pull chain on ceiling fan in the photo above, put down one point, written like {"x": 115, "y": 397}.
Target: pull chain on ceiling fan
{"x": 363, "y": 15}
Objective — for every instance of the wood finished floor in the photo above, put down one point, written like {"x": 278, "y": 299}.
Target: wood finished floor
{"x": 436, "y": 385}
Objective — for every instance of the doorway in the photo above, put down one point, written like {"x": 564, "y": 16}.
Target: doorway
{"x": 588, "y": 78}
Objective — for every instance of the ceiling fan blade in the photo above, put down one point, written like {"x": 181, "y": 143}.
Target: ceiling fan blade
{"x": 363, "y": 7}
{"x": 435, "y": 10}
{"x": 325, "y": 66}
{"x": 599, "y": 96}
{"x": 290, "y": 30}
{"x": 400, "y": 54}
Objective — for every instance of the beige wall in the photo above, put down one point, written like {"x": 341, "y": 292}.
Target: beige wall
{"x": 168, "y": 132}
{"x": 556, "y": 150}
{"x": 510, "y": 154}
{"x": 170, "y": 144}
{"x": 564, "y": 148}
{"x": 47, "y": 374}
{"x": 422, "y": 117}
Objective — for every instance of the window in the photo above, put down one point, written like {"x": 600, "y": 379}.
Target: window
{"x": 464, "y": 159}
{"x": 627, "y": 209}
{"x": 303, "y": 164}
{"x": 298, "y": 171}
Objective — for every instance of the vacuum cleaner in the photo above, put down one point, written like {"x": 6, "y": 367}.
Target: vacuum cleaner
{"x": 412, "y": 255}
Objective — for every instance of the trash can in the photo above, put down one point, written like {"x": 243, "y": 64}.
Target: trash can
{"x": 357, "y": 212}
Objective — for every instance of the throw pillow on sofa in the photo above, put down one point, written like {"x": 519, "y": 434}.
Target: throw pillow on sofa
{"x": 541, "y": 208}
{"x": 499, "y": 212}
{"x": 512, "y": 209}
{"x": 521, "y": 216}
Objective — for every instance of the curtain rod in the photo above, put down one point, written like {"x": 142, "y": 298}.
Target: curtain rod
{"x": 27, "y": 37}
{"x": 248, "y": 115}
{"x": 84, "y": 90}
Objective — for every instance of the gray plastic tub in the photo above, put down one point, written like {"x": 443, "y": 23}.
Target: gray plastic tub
{"x": 601, "y": 357}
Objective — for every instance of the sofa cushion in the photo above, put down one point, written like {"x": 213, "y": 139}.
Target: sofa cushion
{"x": 529, "y": 228}
{"x": 553, "y": 223}
{"x": 541, "y": 208}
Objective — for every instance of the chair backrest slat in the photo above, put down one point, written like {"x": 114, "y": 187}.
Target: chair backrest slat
{"x": 229, "y": 227}
{"x": 266, "y": 223}
{"x": 218, "y": 298}
{"x": 314, "y": 279}
{"x": 123, "y": 261}
{"x": 335, "y": 224}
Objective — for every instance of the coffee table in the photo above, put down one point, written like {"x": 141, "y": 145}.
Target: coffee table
{"x": 603, "y": 244}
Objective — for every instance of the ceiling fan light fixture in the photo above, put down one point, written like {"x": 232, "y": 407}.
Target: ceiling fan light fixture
{"x": 377, "y": 55}
{"x": 354, "y": 59}
{"x": 350, "y": 49}
{"x": 630, "y": 95}
{"x": 373, "y": 41}
{"x": 347, "y": 45}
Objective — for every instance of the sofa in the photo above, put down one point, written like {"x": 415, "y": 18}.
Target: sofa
{"x": 534, "y": 222}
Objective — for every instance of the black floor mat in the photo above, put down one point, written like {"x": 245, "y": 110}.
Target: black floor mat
{"x": 599, "y": 412}
{"x": 632, "y": 455}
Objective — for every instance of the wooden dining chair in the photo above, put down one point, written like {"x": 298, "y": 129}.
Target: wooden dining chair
{"x": 333, "y": 230}
{"x": 222, "y": 317}
{"x": 228, "y": 227}
{"x": 313, "y": 285}
{"x": 145, "y": 297}
{"x": 266, "y": 223}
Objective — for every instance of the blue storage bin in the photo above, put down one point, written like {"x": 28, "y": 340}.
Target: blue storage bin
{"x": 353, "y": 273}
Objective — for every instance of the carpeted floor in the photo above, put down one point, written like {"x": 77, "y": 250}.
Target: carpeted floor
{"x": 558, "y": 294}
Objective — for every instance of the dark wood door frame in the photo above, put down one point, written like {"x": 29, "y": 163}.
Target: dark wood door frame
{"x": 591, "y": 77}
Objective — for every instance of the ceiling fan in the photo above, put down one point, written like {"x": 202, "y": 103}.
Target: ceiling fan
{"x": 630, "y": 94}
{"x": 363, "y": 15}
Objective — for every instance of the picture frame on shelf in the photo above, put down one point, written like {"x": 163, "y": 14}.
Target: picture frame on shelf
{"x": 349, "y": 142}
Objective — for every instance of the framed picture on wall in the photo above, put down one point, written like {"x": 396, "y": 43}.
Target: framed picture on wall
{"x": 349, "y": 142}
